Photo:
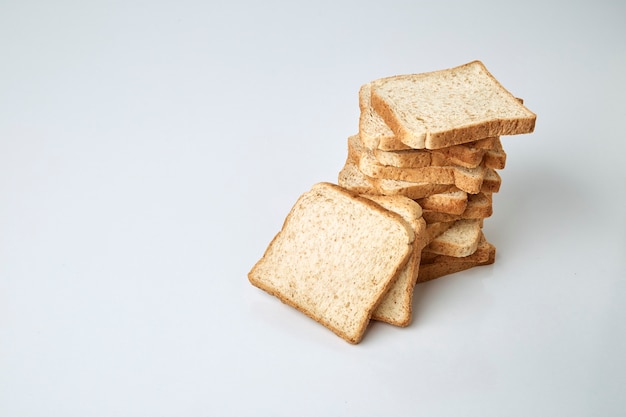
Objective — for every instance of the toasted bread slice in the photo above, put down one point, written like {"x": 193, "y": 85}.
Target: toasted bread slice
{"x": 442, "y": 266}
{"x": 466, "y": 179}
{"x": 481, "y": 254}
{"x": 351, "y": 178}
{"x": 453, "y": 202}
{"x": 433, "y": 230}
{"x": 491, "y": 182}
{"x": 388, "y": 150}
{"x": 395, "y": 307}
{"x": 335, "y": 257}
{"x": 479, "y": 206}
{"x": 412, "y": 158}
{"x": 468, "y": 156}
{"x": 373, "y": 130}
{"x": 449, "y": 107}
{"x": 459, "y": 240}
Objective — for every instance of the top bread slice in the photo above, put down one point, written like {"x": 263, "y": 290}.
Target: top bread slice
{"x": 449, "y": 107}
{"x": 335, "y": 257}
{"x": 396, "y": 306}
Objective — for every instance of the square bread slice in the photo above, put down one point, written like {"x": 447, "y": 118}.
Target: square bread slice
{"x": 396, "y": 306}
{"x": 443, "y": 108}
{"x": 335, "y": 257}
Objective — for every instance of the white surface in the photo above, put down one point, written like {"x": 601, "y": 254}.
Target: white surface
{"x": 149, "y": 151}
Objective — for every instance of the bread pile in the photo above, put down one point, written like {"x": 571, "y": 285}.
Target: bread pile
{"x": 410, "y": 202}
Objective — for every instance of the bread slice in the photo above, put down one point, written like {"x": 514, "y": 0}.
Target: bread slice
{"x": 354, "y": 180}
{"x": 440, "y": 267}
{"x": 479, "y": 206}
{"x": 413, "y": 158}
{"x": 491, "y": 182}
{"x": 335, "y": 257}
{"x": 433, "y": 230}
{"x": 495, "y": 158}
{"x": 396, "y": 306}
{"x": 466, "y": 179}
{"x": 481, "y": 254}
{"x": 467, "y": 156}
{"x": 374, "y": 133}
{"x": 459, "y": 240}
{"x": 351, "y": 178}
{"x": 453, "y": 202}
{"x": 444, "y": 108}
{"x": 471, "y": 154}
{"x": 388, "y": 150}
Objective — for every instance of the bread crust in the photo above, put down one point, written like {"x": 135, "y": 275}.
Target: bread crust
{"x": 396, "y": 306}
{"x": 466, "y": 179}
{"x": 443, "y": 266}
{"x": 350, "y": 177}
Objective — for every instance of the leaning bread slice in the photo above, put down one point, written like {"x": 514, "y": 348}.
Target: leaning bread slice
{"x": 395, "y": 307}
{"x": 459, "y": 240}
{"x": 335, "y": 257}
{"x": 443, "y": 108}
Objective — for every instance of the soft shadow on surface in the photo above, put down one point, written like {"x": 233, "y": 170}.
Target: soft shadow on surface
{"x": 531, "y": 211}
{"x": 538, "y": 201}
{"x": 449, "y": 296}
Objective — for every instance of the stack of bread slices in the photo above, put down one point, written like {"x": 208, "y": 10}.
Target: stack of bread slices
{"x": 409, "y": 205}
{"x": 435, "y": 138}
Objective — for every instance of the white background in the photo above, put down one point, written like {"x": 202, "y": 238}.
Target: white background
{"x": 150, "y": 150}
